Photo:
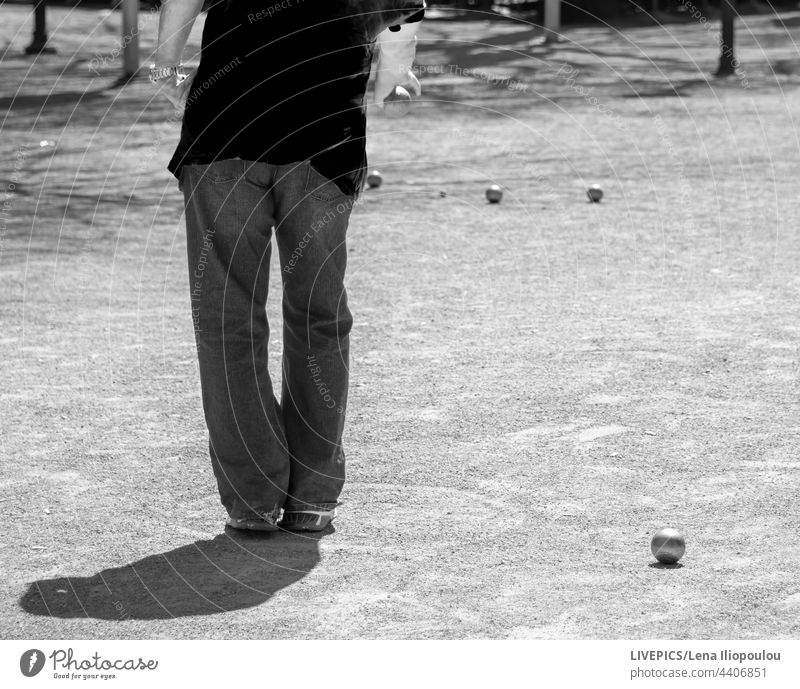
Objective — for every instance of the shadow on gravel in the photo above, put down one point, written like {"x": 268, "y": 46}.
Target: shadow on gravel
{"x": 49, "y": 100}
{"x": 661, "y": 565}
{"x": 233, "y": 571}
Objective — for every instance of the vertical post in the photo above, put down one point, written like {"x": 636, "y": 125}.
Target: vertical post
{"x": 130, "y": 38}
{"x": 552, "y": 19}
{"x": 727, "y": 59}
{"x": 39, "y": 42}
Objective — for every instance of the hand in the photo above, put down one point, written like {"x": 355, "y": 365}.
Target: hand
{"x": 386, "y": 80}
{"x": 177, "y": 93}
{"x": 395, "y": 58}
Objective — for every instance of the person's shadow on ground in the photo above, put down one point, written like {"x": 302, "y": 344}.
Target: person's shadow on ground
{"x": 235, "y": 570}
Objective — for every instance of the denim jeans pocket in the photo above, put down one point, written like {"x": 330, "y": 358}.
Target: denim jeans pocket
{"x": 322, "y": 188}
{"x": 221, "y": 171}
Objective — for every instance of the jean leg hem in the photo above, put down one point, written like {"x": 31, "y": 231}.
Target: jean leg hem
{"x": 297, "y": 506}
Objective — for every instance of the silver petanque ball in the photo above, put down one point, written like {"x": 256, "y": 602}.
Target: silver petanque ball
{"x": 668, "y": 545}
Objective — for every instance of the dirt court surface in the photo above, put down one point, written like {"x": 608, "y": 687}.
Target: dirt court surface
{"x": 537, "y": 386}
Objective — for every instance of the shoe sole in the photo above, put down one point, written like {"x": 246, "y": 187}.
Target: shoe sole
{"x": 250, "y": 525}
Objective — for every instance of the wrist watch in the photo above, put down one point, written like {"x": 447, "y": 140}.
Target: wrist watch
{"x": 160, "y": 73}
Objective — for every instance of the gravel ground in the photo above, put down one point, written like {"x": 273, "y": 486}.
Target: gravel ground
{"x": 537, "y": 386}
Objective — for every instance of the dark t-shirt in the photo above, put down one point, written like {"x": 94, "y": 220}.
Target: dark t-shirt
{"x": 282, "y": 82}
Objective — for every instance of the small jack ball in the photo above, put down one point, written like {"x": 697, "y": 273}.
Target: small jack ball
{"x": 668, "y": 545}
{"x": 374, "y": 179}
{"x": 595, "y": 193}
{"x": 397, "y": 103}
{"x": 494, "y": 194}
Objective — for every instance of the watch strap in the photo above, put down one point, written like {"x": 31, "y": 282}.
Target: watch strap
{"x": 160, "y": 73}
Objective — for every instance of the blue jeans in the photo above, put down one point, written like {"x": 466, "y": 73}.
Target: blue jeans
{"x": 269, "y": 454}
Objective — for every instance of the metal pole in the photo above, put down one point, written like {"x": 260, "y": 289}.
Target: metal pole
{"x": 39, "y": 42}
{"x": 552, "y": 19}
{"x": 727, "y": 59}
{"x": 130, "y": 38}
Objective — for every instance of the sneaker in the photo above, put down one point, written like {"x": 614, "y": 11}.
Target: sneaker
{"x": 307, "y": 520}
{"x": 257, "y": 522}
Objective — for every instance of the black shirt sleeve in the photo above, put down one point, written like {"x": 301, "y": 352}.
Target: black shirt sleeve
{"x": 417, "y": 13}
